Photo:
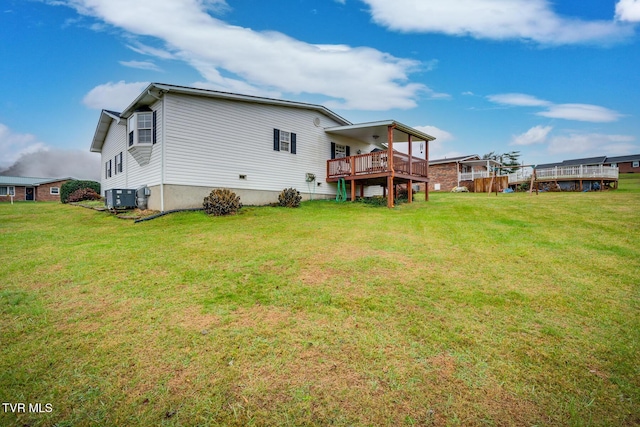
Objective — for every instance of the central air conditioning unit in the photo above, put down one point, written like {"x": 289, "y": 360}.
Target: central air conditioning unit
{"x": 120, "y": 198}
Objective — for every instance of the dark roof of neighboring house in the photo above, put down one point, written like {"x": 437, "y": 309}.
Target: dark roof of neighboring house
{"x": 29, "y": 181}
{"x": 453, "y": 159}
{"x": 600, "y": 160}
{"x": 623, "y": 159}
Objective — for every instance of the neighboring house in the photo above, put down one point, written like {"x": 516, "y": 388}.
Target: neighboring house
{"x": 625, "y": 164}
{"x": 589, "y": 161}
{"x": 447, "y": 173}
{"x": 31, "y": 189}
{"x": 182, "y": 142}
{"x": 591, "y": 173}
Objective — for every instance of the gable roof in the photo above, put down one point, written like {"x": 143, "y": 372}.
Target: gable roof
{"x": 106, "y": 117}
{"x": 29, "y": 181}
{"x": 155, "y": 91}
{"x": 623, "y": 159}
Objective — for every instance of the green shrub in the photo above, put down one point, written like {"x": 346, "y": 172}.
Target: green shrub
{"x": 289, "y": 198}
{"x": 222, "y": 201}
{"x": 373, "y": 201}
{"x": 70, "y": 186}
{"x": 83, "y": 194}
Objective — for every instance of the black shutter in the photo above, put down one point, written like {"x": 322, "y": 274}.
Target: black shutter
{"x": 276, "y": 139}
{"x": 348, "y": 151}
{"x": 293, "y": 143}
{"x": 130, "y": 138}
{"x": 155, "y": 133}
{"x": 333, "y": 150}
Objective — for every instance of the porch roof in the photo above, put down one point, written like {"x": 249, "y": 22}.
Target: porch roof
{"x": 481, "y": 162}
{"x": 376, "y": 132}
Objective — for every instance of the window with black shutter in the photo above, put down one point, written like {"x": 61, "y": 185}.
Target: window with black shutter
{"x": 155, "y": 131}
{"x": 284, "y": 141}
{"x": 339, "y": 151}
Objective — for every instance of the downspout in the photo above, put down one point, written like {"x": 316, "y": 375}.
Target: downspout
{"x": 162, "y": 151}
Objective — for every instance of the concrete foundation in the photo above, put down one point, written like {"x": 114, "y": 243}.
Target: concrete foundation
{"x": 186, "y": 197}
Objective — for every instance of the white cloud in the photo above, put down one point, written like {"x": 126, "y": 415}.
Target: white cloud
{"x": 593, "y": 145}
{"x": 113, "y": 96}
{"x": 578, "y": 112}
{"x": 141, "y": 65}
{"x": 144, "y": 49}
{"x": 438, "y": 149}
{"x": 441, "y": 135}
{"x": 535, "y": 135}
{"x": 518, "y": 100}
{"x": 352, "y": 77}
{"x": 581, "y": 112}
{"x": 13, "y": 145}
{"x": 628, "y": 10}
{"x": 494, "y": 19}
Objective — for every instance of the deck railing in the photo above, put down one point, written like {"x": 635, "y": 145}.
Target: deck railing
{"x": 470, "y": 176}
{"x": 373, "y": 163}
{"x": 550, "y": 174}
{"x": 578, "y": 172}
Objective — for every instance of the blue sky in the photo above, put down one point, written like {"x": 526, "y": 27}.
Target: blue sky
{"x": 554, "y": 80}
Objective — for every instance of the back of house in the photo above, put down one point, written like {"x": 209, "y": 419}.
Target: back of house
{"x": 182, "y": 142}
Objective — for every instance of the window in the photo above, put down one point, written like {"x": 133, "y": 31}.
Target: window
{"x": 339, "y": 151}
{"x": 54, "y": 190}
{"x": 145, "y": 128}
{"x": 118, "y": 163}
{"x": 284, "y": 141}
{"x": 142, "y": 128}
{"x": 107, "y": 169}
{"x": 614, "y": 165}
{"x": 636, "y": 164}
{"x": 7, "y": 191}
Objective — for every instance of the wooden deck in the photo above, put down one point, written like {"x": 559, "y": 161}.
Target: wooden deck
{"x": 377, "y": 169}
{"x": 606, "y": 176}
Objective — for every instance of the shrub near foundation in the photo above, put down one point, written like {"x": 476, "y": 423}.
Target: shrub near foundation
{"x": 82, "y": 194}
{"x": 221, "y": 202}
{"x": 289, "y": 198}
{"x": 70, "y": 186}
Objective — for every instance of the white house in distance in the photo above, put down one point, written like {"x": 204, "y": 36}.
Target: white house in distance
{"x": 182, "y": 142}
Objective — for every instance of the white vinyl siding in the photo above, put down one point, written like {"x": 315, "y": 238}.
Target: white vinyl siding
{"x": 211, "y": 142}
{"x": 115, "y": 142}
{"x": 151, "y": 173}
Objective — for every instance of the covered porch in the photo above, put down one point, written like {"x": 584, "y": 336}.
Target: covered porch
{"x": 384, "y": 166}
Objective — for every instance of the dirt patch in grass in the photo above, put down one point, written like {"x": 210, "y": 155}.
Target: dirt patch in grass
{"x": 193, "y": 319}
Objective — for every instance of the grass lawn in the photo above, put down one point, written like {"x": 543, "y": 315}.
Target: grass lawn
{"x": 466, "y": 310}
